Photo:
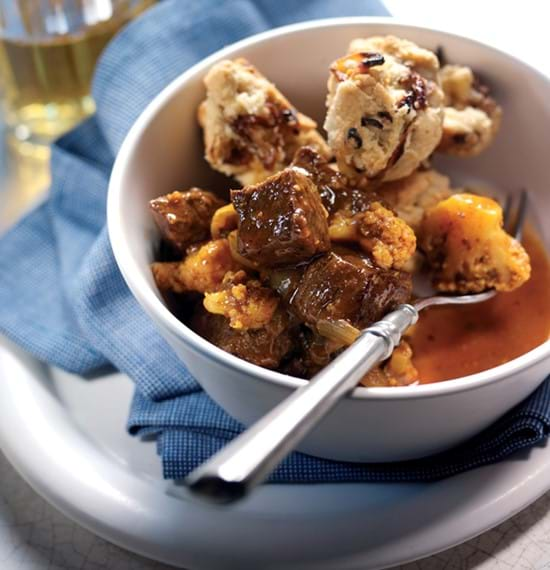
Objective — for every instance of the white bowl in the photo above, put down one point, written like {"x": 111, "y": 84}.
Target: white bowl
{"x": 163, "y": 151}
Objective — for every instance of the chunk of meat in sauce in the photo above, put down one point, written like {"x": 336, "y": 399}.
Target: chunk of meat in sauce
{"x": 265, "y": 346}
{"x": 184, "y": 217}
{"x": 202, "y": 270}
{"x": 346, "y": 286}
{"x": 336, "y": 191}
{"x": 281, "y": 220}
{"x": 358, "y": 215}
{"x": 312, "y": 353}
{"x": 316, "y": 351}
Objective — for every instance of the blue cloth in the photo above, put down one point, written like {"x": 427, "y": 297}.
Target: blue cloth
{"x": 63, "y": 299}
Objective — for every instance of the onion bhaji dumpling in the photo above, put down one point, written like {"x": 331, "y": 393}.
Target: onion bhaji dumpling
{"x": 410, "y": 197}
{"x": 251, "y": 130}
{"x": 471, "y": 116}
{"x": 385, "y": 108}
{"x": 468, "y": 249}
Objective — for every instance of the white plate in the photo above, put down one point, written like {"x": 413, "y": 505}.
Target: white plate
{"x": 66, "y": 436}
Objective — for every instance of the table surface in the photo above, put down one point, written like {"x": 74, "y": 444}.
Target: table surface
{"x": 34, "y": 536}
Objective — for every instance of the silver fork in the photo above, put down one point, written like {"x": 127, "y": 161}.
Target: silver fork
{"x": 246, "y": 461}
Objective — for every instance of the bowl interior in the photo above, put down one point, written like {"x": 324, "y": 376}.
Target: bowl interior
{"x": 164, "y": 151}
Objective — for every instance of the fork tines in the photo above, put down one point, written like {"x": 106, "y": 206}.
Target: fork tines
{"x": 515, "y": 226}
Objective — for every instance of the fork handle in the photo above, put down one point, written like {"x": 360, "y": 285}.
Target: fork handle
{"x": 247, "y": 460}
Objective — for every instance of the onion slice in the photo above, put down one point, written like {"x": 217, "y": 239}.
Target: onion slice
{"x": 339, "y": 331}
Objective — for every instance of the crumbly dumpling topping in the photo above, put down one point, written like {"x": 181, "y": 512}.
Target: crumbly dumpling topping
{"x": 385, "y": 108}
{"x": 471, "y": 116}
{"x": 251, "y": 130}
{"x": 410, "y": 197}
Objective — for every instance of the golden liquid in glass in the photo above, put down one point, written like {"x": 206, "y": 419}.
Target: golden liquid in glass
{"x": 45, "y": 84}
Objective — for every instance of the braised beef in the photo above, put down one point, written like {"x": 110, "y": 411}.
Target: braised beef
{"x": 184, "y": 217}
{"x": 336, "y": 192}
{"x": 347, "y": 286}
{"x": 266, "y": 346}
{"x": 312, "y": 353}
{"x": 281, "y": 220}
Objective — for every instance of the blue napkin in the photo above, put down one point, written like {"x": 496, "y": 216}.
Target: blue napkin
{"x": 63, "y": 299}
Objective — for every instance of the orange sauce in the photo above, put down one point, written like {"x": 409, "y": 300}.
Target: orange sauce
{"x": 450, "y": 342}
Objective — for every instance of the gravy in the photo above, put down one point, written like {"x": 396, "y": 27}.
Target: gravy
{"x": 450, "y": 342}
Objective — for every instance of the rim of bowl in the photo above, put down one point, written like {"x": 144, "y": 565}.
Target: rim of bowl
{"x": 156, "y": 309}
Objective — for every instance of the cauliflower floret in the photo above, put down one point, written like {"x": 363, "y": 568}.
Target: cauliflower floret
{"x": 245, "y": 302}
{"x": 389, "y": 240}
{"x": 386, "y": 238}
{"x": 468, "y": 249}
{"x": 412, "y": 196}
{"x": 251, "y": 130}
{"x": 385, "y": 108}
{"x": 202, "y": 270}
{"x": 471, "y": 117}
{"x": 398, "y": 370}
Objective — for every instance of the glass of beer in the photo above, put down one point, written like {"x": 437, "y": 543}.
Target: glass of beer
{"x": 48, "y": 51}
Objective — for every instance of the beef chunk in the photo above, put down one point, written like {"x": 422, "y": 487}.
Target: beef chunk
{"x": 347, "y": 286}
{"x": 184, "y": 217}
{"x": 265, "y": 346}
{"x": 281, "y": 220}
{"x": 312, "y": 353}
{"x": 336, "y": 191}
{"x": 315, "y": 352}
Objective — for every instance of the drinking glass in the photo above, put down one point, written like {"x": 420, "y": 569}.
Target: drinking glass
{"x": 48, "y": 51}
